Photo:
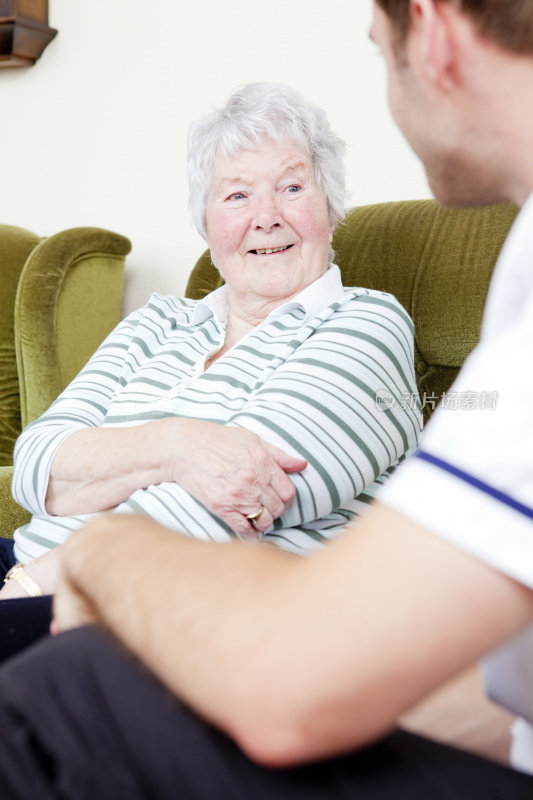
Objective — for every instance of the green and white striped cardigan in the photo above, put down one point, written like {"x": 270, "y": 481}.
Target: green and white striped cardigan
{"x": 306, "y": 380}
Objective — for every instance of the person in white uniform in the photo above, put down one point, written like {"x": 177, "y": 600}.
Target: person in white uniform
{"x": 290, "y": 661}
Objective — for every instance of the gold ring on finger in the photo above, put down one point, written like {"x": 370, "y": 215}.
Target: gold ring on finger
{"x": 253, "y": 518}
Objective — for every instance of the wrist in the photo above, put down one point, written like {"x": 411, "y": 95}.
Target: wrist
{"x": 173, "y": 446}
{"x": 19, "y": 575}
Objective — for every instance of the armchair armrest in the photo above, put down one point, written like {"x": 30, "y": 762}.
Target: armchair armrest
{"x": 12, "y": 515}
{"x": 71, "y": 282}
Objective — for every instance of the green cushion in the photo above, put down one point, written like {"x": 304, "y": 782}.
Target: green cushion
{"x": 436, "y": 261}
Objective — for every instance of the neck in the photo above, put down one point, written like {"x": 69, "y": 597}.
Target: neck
{"x": 246, "y": 310}
{"x": 503, "y": 85}
{"x": 236, "y": 330}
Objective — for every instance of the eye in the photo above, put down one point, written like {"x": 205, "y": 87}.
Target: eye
{"x": 236, "y": 196}
{"x": 294, "y": 187}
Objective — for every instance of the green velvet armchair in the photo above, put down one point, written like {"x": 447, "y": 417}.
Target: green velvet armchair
{"x": 59, "y": 297}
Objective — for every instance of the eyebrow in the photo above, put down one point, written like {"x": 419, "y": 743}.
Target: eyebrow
{"x": 222, "y": 182}
{"x": 237, "y": 179}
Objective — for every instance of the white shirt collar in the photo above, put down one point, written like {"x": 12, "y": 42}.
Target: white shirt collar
{"x": 215, "y": 304}
{"x": 318, "y": 295}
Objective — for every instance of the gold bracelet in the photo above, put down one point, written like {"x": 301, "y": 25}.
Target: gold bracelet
{"x": 28, "y": 584}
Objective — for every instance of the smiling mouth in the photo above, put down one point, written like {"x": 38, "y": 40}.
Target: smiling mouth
{"x": 266, "y": 251}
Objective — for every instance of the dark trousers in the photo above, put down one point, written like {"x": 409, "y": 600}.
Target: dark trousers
{"x": 81, "y": 719}
{"x": 23, "y": 620}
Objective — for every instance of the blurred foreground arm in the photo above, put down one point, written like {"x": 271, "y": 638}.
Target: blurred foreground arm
{"x": 294, "y": 658}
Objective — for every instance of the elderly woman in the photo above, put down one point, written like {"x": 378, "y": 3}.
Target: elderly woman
{"x": 253, "y": 411}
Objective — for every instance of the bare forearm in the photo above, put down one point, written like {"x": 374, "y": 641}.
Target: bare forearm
{"x": 256, "y": 640}
{"x": 296, "y": 658}
{"x": 199, "y": 615}
{"x": 98, "y": 468}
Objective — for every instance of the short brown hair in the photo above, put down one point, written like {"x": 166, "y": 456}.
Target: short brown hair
{"x": 509, "y": 23}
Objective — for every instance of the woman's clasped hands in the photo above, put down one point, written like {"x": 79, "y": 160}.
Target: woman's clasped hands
{"x": 235, "y": 474}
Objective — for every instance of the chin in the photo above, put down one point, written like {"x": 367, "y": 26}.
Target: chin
{"x": 461, "y": 195}
{"x": 458, "y": 182}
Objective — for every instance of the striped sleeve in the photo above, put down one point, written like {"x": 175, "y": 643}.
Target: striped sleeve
{"x": 83, "y": 404}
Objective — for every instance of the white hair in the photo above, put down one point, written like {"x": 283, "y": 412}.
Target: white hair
{"x": 265, "y": 110}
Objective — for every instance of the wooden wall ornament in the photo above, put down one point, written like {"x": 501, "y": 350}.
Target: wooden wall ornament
{"x": 24, "y": 32}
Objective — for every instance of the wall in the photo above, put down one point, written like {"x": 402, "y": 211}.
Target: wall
{"x": 95, "y": 133}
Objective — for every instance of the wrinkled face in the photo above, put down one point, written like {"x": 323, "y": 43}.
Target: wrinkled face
{"x": 267, "y": 221}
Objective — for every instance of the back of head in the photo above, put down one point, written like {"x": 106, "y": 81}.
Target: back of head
{"x": 257, "y": 111}
{"x": 508, "y": 23}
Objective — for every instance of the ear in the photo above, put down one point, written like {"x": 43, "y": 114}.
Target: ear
{"x": 433, "y": 34}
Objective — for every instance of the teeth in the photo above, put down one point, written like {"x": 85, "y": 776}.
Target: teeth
{"x": 267, "y": 251}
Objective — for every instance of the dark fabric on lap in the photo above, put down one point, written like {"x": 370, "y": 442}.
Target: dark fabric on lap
{"x": 23, "y": 620}
{"x": 85, "y": 720}
{"x": 7, "y": 557}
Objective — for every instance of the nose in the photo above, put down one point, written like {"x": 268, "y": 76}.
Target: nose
{"x": 267, "y": 215}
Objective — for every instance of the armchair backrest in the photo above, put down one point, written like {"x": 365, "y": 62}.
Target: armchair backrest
{"x": 436, "y": 261}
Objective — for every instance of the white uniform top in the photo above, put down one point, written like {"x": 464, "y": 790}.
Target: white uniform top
{"x": 475, "y": 463}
